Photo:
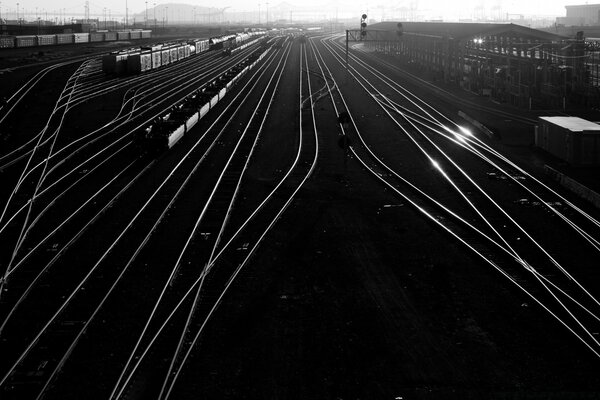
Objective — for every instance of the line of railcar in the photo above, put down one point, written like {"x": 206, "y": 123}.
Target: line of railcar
{"x": 145, "y": 58}
{"x": 166, "y": 130}
{"x": 9, "y": 42}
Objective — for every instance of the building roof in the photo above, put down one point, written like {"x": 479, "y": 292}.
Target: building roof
{"x": 460, "y": 30}
{"x": 583, "y": 6}
{"x": 574, "y": 124}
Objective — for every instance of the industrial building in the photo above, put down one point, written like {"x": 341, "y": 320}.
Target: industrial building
{"x": 581, "y": 15}
{"x": 571, "y": 139}
{"x": 511, "y": 63}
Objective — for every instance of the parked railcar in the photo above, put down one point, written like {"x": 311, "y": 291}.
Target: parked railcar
{"x": 110, "y": 36}
{"x": 146, "y": 34}
{"x": 173, "y": 54}
{"x": 64, "y": 38}
{"x": 7, "y": 42}
{"x": 81, "y": 38}
{"x": 139, "y": 62}
{"x": 46, "y": 40}
{"x": 26, "y": 41}
{"x": 165, "y": 56}
{"x": 156, "y": 54}
{"x": 135, "y": 35}
{"x": 123, "y": 36}
{"x": 96, "y": 36}
{"x": 115, "y": 62}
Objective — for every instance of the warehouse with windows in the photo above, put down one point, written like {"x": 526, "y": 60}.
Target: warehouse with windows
{"x": 508, "y": 62}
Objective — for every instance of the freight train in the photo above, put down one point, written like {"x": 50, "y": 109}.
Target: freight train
{"x": 9, "y": 42}
{"x": 142, "y": 59}
{"x": 165, "y": 131}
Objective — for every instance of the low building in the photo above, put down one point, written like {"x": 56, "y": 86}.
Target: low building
{"x": 571, "y": 139}
{"x": 512, "y": 63}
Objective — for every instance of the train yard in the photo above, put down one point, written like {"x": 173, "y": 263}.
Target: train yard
{"x": 268, "y": 220}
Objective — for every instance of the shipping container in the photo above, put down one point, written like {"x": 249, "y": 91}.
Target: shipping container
{"x": 26, "y": 41}
{"x": 81, "y": 37}
{"x": 96, "y": 37}
{"x": 122, "y": 35}
{"x": 64, "y": 38}
{"x": 109, "y": 36}
{"x": 139, "y": 62}
{"x": 571, "y": 139}
{"x": 7, "y": 42}
{"x": 46, "y": 40}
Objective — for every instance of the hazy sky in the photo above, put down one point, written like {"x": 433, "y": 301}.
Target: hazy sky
{"x": 431, "y": 8}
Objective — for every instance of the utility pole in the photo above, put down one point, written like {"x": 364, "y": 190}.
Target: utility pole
{"x": 154, "y": 15}
{"x": 126, "y": 14}
{"x": 267, "y": 13}
{"x": 259, "y": 13}
{"x": 146, "y": 20}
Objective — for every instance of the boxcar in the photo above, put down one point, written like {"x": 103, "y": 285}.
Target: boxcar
{"x": 115, "y": 63}
{"x": 181, "y": 52}
{"x": 203, "y": 45}
{"x": 156, "y": 59}
{"x": 46, "y": 40}
{"x": 81, "y": 37}
{"x": 109, "y": 36}
{"x": 25, "y": 41}
{"x": 173, "y": 54}
{"x": 7, "y": 42}
{"x": 123, "y": 36}
{"x": 64, "y": 38}
{"x": 96, "y": 37}
{"x": 135, "y": 34}
{"x": 146, "y": 34}
{"x": 139, "y": 62}
{"x": 165, "y": 56}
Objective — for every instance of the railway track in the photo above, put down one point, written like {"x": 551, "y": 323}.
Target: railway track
{"x": 542, "y": 278}
{"x": 74, "y": 293}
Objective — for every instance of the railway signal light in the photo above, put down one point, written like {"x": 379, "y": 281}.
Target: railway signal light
{"x": 363, "y": 25}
